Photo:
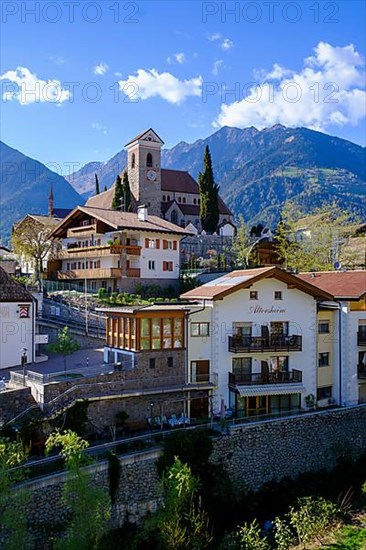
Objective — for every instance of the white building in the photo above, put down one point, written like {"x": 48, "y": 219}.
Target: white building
{"x": 116, "y": 250}
{"x": 18, "y": 311}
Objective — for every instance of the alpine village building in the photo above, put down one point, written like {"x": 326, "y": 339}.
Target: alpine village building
{"x": 256, "y": 342}
{"x": 113, "y": 249}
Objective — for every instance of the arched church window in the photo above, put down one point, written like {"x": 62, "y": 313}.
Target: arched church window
{"x": 164, "y": 198}
{"x": 149, "y": 160}
{"x": 184, "y": 200}
{"x": 133, "y": 160}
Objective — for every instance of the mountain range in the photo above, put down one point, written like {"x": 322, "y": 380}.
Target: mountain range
{"x": 25, "y": 185}
{"x": 259, "y": 170}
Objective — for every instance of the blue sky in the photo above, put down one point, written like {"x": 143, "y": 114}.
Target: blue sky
{"x": 104, "y": 71}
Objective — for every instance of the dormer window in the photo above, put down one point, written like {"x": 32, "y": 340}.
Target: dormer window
{"x": 149, "y": 161}
{"x": 133, "y": 160}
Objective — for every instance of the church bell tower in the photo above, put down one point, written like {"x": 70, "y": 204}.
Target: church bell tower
{"x": 144, "y": 170}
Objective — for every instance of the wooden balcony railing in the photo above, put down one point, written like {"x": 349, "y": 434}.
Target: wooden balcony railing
{"x": 249, "y": 344}
{"x": 361, "y": 338}
{"x": 82, "y": 230}
{"x": 258, "y": 379}
{"x": 133, "y": 272}
{"x": 97, "y": 251}
{"x": 102, "y": 273}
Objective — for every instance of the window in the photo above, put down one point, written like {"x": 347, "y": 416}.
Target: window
{"x": 179, "y": 199}
{"x": 279, "y": 328}
{"x": 133, "y": 160}
{"x": 324, "y": 393}
{"x": 323, "y": 327}
{"x": 242, "y": 369}
{"x": 170, "y": 362}
{"x": 278, "y": 295}
{"x": 167, "y": 334}
{"x": 178, "y": 333}
{"x": 200, "y": 329}
{"x": 194, "y": 201}
{"x": 151, "y": 265}
{"x": 164, "y": 198}
{"x": 279, "y": 364}
{"x": 169, "y": 245}
{"x": 152, "y": 363}
{"x": 323, "y": 359}
{"x": 68, "y": 266}
{"x": 145, "y": 334}
{"x": 253, "y": 295}
{"x": 159, "y": 333}
{"x": 156, "y": 333}
{"x": 24, "y": 312}
{"x": 149, "y": 161}
{"x": 167, "y": 266}
{"x": 184, "y": 200}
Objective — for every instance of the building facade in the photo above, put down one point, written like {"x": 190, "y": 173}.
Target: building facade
{"x": 104, "y": 248}
{"x": 19, "y": 338}
{"x": 267, "y": 342}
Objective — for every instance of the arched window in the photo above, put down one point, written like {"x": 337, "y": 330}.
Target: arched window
{"x": 174, "y": 217}
{"x": 133, "y": 160}
{"x": 194, "y": 201}
{"x": 184, "y": 200}
{"x": 179, "y": 199}
{"x": 149, "y": 160}
{"x": 164, "y": 198}
{"x": 168, "y": 198}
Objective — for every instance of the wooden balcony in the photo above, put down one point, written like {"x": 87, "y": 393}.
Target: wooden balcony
{"x": 258, "y": 344}
{"x": 82, "y": 231}
{"x": 258, "y": 379}
{"x": 361, "y": 338}
{"x": 97, "y": 251}
{"x": 133, "y": 272}
{"x": 101, "y": 273}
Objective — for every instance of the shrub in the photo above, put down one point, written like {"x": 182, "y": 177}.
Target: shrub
{"x": 283, "y": 534}
{"x": 248, "y": 537}
{"x": 311, "y": 517}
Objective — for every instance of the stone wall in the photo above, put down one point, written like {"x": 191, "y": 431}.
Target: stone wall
{"x": 14, "y": 402}
{"x": 253, "y": 455}
{"x": 271, "y": 450}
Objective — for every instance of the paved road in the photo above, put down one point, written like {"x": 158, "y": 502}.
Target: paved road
{"x": 55, "y": 362}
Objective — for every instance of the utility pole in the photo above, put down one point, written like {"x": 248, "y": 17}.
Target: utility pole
{"x": 86, "y": 298}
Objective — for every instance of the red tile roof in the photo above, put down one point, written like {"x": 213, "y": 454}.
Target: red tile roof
{"x": 178, "y": 181}
{"x": 236, "y": 280}
{"x": 341, "y": 284}
{"x": 12, "y": 291}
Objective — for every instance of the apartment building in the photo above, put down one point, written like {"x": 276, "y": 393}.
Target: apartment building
{"x": 104, "y": 248}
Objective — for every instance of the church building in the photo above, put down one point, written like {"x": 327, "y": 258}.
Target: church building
{"x": 169, "y": 194}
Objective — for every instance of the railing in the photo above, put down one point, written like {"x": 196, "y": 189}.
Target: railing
{"x": 82, "y": 230}
{"x": 97, "y": 273}
{"x": 133, "y": 272}
{"x": 258, "y": 379}
{"x": 249, "y": 344}
{"x": 97, "y": 251}
{"x": 361, "y": 338}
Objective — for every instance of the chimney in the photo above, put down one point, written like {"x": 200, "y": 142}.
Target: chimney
{"x": 142, "y": 213}
{"x": 50, "y": 203}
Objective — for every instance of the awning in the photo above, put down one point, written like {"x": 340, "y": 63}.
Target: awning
{"x": 270, "y": 389}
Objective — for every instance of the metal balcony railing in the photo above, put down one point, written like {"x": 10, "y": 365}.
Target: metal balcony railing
{"x": 249, "y": 344}
{"x": 258, "y": 379}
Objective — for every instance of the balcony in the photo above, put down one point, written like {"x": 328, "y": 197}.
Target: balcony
{"x": 133, "y": 272}
{"x": 82, "y": 230}
{"x": 102, "y": 273}
{"x": 258, "y": 379}
{"x": 259, "y": 344}
{"x": 97, "y": 251}
{"x": 361, "y": 338}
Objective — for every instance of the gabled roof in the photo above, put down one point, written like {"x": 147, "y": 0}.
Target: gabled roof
{"x": 237, "y": 280}
{"x": 140, "y": 136}
{"x": 178, "y": 181}
{"x": 348, "y": 285}
{"x": 12, "y": 291}
{"x": 117, "y": 220}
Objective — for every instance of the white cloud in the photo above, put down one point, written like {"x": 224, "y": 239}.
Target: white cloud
{"x": 177, "y": 58}
{"x": 329, "y": 90}
{"x": 151, "y": 83}
{"x": 225, "y": 43}
{"x": 99, "y": 127}
{"x": 216, "y": 66}
{"x": 100, "y": 69}
{"x": 27, "y": 88}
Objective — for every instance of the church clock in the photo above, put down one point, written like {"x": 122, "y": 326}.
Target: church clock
{"x": 151, "y": 175}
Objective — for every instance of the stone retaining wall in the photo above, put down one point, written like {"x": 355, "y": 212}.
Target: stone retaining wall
{"x": 252, "y": 454}
{"x": 14, "y": 402}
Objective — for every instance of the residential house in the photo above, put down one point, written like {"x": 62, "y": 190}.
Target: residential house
{"x": 19, "y": 338}
{"x": 105, "y": 248}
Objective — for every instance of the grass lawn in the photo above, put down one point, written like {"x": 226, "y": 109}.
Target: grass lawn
{"x": 349, "y": 538}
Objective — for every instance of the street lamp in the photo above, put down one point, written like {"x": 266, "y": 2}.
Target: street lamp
{"x": 24, "y": 362}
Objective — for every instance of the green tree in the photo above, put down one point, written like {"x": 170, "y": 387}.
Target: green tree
{"x": 105, "y": 188}
{"x": 65, "y": 345}
{"x": 126, "y": 193}
{"x": 96, "y": 184}
{"x": 241, "y": 244}
{"x": 90, "y": 505}
{"x": 118, "y": 194}
{"x": 13, "y": 502}
{"x": 209, "y": 195}
{"x": 182, "y": 523}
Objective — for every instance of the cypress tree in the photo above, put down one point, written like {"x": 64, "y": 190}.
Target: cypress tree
{"x": 209, "y": 195}
{"x": 96, "y": 184}
{"x": 118, "y": 194}
{"x": 126, "y": 192}
{"x": 105, "y": 188}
